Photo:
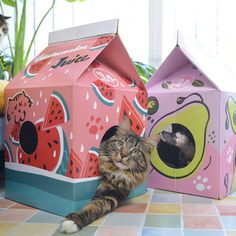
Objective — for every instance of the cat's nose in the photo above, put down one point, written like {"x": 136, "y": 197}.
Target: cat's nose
{"x": 124, "y": 153}
{"x": 118, "y": 158}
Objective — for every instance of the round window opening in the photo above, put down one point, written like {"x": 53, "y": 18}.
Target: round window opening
{"x": 177, "y": 146}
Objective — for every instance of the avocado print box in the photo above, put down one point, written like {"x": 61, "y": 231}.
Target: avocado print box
{"x": 59, "y": 109}
{"x": 192, "y": 105}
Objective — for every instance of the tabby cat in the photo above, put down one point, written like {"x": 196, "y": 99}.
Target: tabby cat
{"x": 124, "y": 164}
{"x": 3, "y": 26}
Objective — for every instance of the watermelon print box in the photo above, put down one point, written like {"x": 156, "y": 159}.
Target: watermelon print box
{"x": 192, "y": 104}
{"x": 60, "y": 108}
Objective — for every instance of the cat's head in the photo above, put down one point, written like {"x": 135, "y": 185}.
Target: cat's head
{"x": 126, "y": 150}
{"x": 177, "y": 139}
{"x": 3, "y": 26}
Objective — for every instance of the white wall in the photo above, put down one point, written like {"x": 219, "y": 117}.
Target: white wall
{"x": 147, "y": 27}
{"x": 133, "y": 15}
{"x": 211, "y": 22}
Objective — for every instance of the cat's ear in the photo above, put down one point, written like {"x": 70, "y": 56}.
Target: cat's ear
{"x": 124, "y": 127}
{"x": 6, "y": 17}
{"x": 152, "y": 141}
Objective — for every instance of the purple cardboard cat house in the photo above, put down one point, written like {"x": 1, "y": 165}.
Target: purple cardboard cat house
{"x": 192, "y": 105}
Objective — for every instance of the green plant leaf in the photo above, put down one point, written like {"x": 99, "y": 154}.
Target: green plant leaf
{"x": 35, "y": 33}
{"x": 20, "y": 39}
{"x": 75, "y": 0}
{"x": 11, "y": 3}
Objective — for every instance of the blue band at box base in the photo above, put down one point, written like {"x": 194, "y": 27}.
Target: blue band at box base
{"x": 52, "y": 195}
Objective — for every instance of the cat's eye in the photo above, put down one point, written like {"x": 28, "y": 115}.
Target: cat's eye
{"x": 120, "y": 144}
{"x": 135, "y": 151}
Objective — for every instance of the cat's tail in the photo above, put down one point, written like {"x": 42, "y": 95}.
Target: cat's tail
{"x": 98, "y": 207}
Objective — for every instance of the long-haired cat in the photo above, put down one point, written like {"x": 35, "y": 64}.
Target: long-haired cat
{"x": 3, "y": 26}
{"x": 124, "y": 164}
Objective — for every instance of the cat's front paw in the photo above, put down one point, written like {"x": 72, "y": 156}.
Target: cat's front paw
{"x": 68, "y": 227}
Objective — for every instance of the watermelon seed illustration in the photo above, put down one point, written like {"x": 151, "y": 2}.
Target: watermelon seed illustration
{"x": 45, "y": 100}
{"x": 165, "y": 85}
{"x": 67, "y": 71}
{"x": 107, "y": 119}
{"x": 97, "y": 137}
{"x": 44, "y": 78}
{"x": 87, "y": 96}
{"x": 118, "y": 109}
{"x": 95, "y": 105}
{"x": 34, "y": 114}
{"x": 40, "y": 93}
{"x": 37, "y": 103}
{"x": 82, "y": 148}
{"x": 198, "y": 83}
{"x": 49, "y": 75}
{"x": 71, "y": 135}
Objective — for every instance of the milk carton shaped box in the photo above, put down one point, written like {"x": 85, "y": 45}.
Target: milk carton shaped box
{"x": 59, "y": 109}
{"x": 192, "y": 105}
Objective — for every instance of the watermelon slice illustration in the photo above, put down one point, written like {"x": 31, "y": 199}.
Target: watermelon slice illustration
{"x": 14, "y": 134}
{"x": 75, "y": 166}
{"x": 65, "y": 159}
{"x": 32, "y": 70}
{"x": 101, "y": 42}
{"x": 140, "y": 101}
{"x": 7, "y": 153}
{"x": 136, "y": 123}
{"x": 57, "y": 111}
{"x": 104, "y": 92}
{"x": 40, "y": 148}
{"x": 91, "y": 167}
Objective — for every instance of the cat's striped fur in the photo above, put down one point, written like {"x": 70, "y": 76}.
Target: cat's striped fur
{"x": 124, "y": 163}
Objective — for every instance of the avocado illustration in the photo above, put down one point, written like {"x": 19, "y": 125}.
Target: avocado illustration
{"x": 195, "y": 117}
{"x": 231, "y": 107}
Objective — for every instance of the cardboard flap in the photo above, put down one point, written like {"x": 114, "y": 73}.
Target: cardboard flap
{"x": 61, "y": 64}
{"x": 209, "y": 64}
{"x": 84, "y": 31}
{"x": 189, "y": 50}
{"x": 172, "y": 63}
{"x": 116, "y": 56}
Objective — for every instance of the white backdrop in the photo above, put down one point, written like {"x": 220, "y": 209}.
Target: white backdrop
{"x": 147, "y": 27}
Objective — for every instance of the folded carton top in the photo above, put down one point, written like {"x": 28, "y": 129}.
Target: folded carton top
{"x": 71, "y": 51}
{"x": 208, "y": 64}
{"x": 84, "y": 31}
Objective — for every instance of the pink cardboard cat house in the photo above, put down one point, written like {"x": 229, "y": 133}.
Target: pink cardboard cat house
{"x": 192, "y": 105}
{"x": 59, "y": 109}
